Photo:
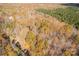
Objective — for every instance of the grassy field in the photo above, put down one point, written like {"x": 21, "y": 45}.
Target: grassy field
{"x": 69, "y": 15}
{"x": 39, "y": 30}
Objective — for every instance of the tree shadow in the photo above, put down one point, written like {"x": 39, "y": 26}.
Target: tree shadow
{"x": 71, "y": 4}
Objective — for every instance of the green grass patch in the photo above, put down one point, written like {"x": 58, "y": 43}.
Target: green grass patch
{"x": 69, "y": 15}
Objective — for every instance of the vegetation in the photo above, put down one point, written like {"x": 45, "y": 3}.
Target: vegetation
{"x": 36, "y": 43}
{"x": 69, "y": 15}
{"x": 27, "y": 32}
